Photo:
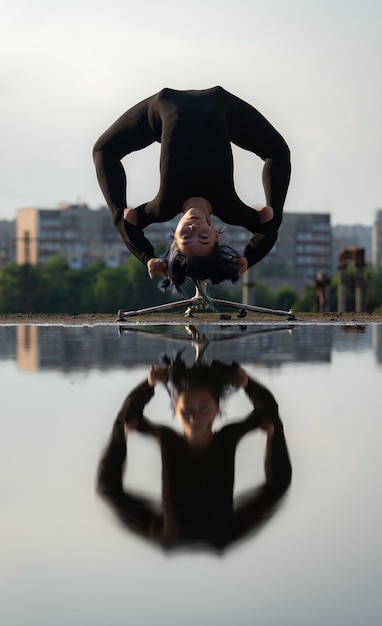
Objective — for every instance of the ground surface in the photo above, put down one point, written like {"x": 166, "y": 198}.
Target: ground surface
{"x": 202, "y": 317}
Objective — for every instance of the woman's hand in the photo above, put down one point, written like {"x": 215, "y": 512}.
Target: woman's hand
{"x": 241, "y": 378}
{"x": 156, "y": 267}
{"x": 241, "y": 264}
{"x": 158, "y": 374}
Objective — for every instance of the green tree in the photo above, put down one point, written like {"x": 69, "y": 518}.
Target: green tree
{"x": 285, "y": 297}
{"x": 51, "y": 290}
{"x": 80, "y": 292}
{"x": 142, "y": 290}
{"x": 110, "y": 286}
{"x": 56, "y": 288}
{"x": 11, "y": 293}
{"x": 373, "y": 280}
{"x": 264, "y": 296}
{"x": 88, "y": 281}
{"x": 306, "y": 302}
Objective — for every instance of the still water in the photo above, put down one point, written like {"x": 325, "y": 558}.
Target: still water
{"x": 305, "y": 551}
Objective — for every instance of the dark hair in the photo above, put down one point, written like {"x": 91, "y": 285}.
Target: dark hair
{"x": 217, "y": 266}
{"x": 218, "y": 378}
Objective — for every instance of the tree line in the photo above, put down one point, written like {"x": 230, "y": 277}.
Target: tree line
{"x": 54, "y": 287}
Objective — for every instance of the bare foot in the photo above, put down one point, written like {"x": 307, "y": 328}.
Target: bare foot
{"x": 265, "y": 214}
{"x": 267, "y": 427}
{"x": 131, "y": 216}
{"x": 132, "y": 424}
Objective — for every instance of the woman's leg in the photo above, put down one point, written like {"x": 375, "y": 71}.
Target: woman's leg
{"x": 129, "y": 133}
{"x": 276, "y": 175}
{"x": 250, "y": 130}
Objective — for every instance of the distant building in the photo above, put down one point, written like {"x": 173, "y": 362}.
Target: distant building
{"x": 7, "y": 242}
{"x": 376, "y": 245}
{"x": 304, "y": 245}
{"x": 82, "y": 235}
{"x": 351, "y": 235}
{"x": 75, "y": 232}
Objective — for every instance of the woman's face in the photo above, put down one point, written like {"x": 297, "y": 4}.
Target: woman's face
{"x": 196, "y": 410}
{"x": 195, "y": 235}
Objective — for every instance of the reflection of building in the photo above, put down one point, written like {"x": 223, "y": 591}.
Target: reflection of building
{"x": 353, "y": 338}
{"x": 7, "y": 343}
{"x": 377, "y": 238}
{"x": 76, "y": 347}
{"x": 69, "y": 348}
{"x": 27, "y": 347}
{"x": 377, "y": 342}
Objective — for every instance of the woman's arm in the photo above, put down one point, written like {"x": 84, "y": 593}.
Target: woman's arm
{"x": 131, "y": 413}
{"x": 134, "y": 511}
{"x": 265, "y": 408}
{"x": 255, "y": 507}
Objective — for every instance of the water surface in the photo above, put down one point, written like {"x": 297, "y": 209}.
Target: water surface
{"x": 67, "y": 558}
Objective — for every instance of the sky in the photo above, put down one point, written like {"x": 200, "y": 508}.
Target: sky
{"x": 69, "y": 68}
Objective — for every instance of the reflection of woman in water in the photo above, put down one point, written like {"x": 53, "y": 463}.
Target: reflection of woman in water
{"x": 198, "y": 467}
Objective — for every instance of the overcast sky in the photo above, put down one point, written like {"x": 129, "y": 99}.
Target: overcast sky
{"x": 69, "y": 68}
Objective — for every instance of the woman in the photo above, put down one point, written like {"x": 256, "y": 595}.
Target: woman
{"x": 198, "y": 467}
{"x": 195, "y": 129}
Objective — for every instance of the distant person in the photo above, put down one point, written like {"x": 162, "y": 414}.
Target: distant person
{"x": 322, "y": 282}
{"x": 195, "y": 129}
{"x": 198, "y": 466}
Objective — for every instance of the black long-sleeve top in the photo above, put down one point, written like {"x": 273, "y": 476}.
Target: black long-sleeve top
{"x": 195, "y": 129}
{"x": 197, "y": 485}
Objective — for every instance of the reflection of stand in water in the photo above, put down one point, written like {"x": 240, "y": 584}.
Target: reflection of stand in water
{"x": 199, "y": 334}
{"x": 202, "y": 302}
{"x": 198, "y": 467}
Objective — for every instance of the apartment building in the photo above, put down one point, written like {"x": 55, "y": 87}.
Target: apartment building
{"x": 304, "y": 245}
{"x": 79, "y": 234}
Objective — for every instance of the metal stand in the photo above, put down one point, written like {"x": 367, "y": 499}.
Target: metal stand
{"x": 201, "y": 301}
